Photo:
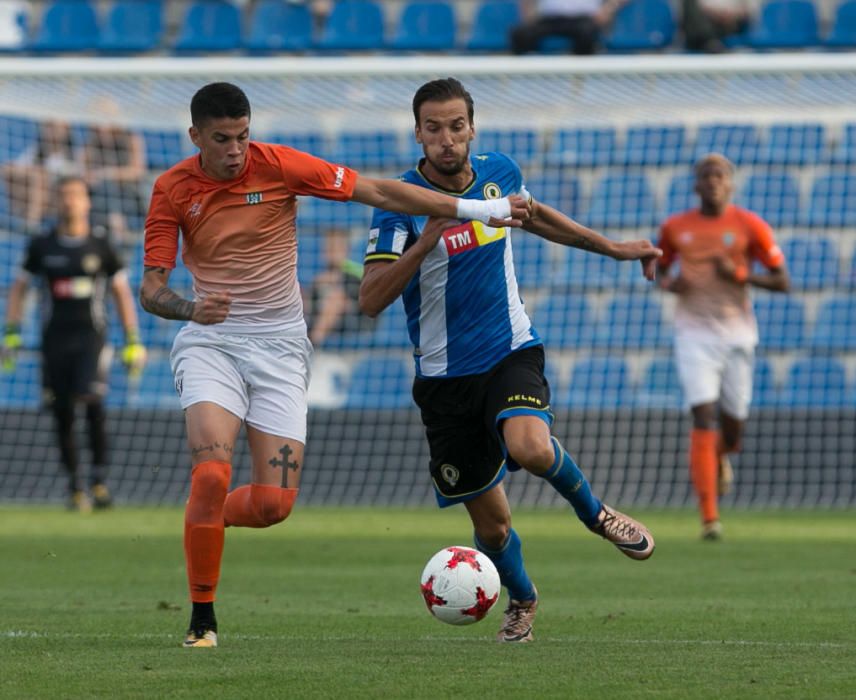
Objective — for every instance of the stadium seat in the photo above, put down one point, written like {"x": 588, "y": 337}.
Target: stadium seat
{"x": 781, "y": 321}
{"x": 313, "y": 142}
{"x": 581, "y": 147}
{"x": 132, "y": 26}
{"x": 764, "y": 391}
{"x": 209, "y": 25}
{"x": 155, "y": 388}
{"x": 533, "y": 260}
{"x": 621, "y": 200}
{"x": 391, "y": 330}
{"x": 785, "y": 24}
{"x": 368, "y": 150}
{"x": 793, "y": 144}
{"x": 353, "y": 25}
{"x": 641, "y": 25}
{"x": 652, "y": 146}
{"x": 425, "y": 26}
{"x": 819, "y": 382}
{"x": 17, "y": 135}
{"x": 323, "y": 213}
{"x": 774, "y": 196}
{"x": 564, "y": 320}
{"x": 680, "y": 195}
{"x": 738, "y": 142}
{"x": 845, "y": 152}
{"x": 165, "y": 148}
{"x": 381, "y": 382}
{"x": 521, "y": 144}
{"x": 597, "y": 382}
{"x": 833, "y": 201}
{"x": 843, "y": 33}
{"x": 835, "y": 325}
{"x": 632, "y": 321}
{"x": 278, "y": 25}
{"x": 491, "y": 25}
{"x": 67, "y": 25}
{"x": 812, "y": 262}
{"x": 557, "y": 188}
{"x": 582, "y": 270}
{"x": 12, "y": 250}
{"x": 22, "y": 388}
{"x": 660, "y": 386}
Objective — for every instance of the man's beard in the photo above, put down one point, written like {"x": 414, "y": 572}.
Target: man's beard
{"x": 453, "y": 169}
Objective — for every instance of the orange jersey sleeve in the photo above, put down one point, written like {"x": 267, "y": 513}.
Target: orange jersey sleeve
{"x": 762, "y": 245}
{"x": 161, "y": 239}
{"x": 305, "y": 174}
{"x": 666, "y": 245}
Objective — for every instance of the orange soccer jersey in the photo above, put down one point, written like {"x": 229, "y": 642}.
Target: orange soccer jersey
{"x": 240, "y": 235}
{"x": 710, "y": 302}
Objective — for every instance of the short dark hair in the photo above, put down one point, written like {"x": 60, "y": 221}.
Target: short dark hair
{"x": 68, "y": 179}
{"x": 442, "y": 90}
{"x": 216, "y": 101}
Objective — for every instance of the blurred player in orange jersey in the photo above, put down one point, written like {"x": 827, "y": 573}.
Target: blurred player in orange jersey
{"x": 715, "y": 328}
{"x": 243, "y": 356}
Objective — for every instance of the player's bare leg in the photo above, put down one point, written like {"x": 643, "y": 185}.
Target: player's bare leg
{"x": 731, "y": 436}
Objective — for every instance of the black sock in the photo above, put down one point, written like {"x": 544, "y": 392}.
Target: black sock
{"x": 202, "y": 618}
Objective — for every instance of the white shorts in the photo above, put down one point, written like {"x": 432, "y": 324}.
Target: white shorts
{"x": 261, "y": 379}
{"x": 714, "y": 371}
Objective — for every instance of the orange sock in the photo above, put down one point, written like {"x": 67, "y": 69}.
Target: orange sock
{"x": 703, "y": 467}
{"x": 258, "y": 505}
{"x": 203, "y": 528}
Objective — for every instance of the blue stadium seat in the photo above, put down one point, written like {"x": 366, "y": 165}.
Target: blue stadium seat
{"x": 738, "y": 142}
{"x": 833, "y": 201}
{"x": 764, "y": 391}
{"x": 310, "y": 252}
{"x": 835, "y": 325}
{"x": 564, "y": 320}
{"x": 681, "y": 194}
{"x": 660, "y": 386}
{"x": 819, "y": 382}
{"x": 582, "y": 270}
{"x": 621, "y": 200}
{"x": 598, "y": 382}
{"x": 165, "y": 148}
{"x": 16, "y": 136}
{"x": 157, "y": 333}
{"x": 353, "y": 25}
{"x": 492, "y": 23}
{"x": 155, "y": 389}
{"x": 793, "y": 144}
{"x": 843, "y": 33}
{"x": 521, "y": 144}
{"x": 313, "y": 142}
{"x": 845, "y": 152}
{"x": 774, "y": 196}
{"x": 67, "y": 25}
{"x": 632, "y": 321}
{"x": 581, "y": 147}
{"x": 368, "y": 150}
{"x": 391, "y": 329}
{"x": 812, "y": 262}
{"x": 323, "y": 213}
{"x": 425, "y": 26}
{"x": 785, "y": 24}
{"x": 209, "y": 25}
{"x": 132, "y": 26}
{"x": 653, "y": 146}
{"x": 533, "y": 260}
{"x": 557, "y": 188}
{"x": 642, "y": 25}
{"x": 381, "y": 382}
{"x": 278, "y": 25}
{"x": 781, "y": 321}
{"x": 22, "y": 388}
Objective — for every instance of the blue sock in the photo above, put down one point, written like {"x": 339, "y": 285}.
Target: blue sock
{"x": 566, "y": 477}
{"x": 509, "y": 563}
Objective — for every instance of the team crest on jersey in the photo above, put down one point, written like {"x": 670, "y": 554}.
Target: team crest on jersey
{"x": 91, "y": 263}
{"x": 195, "y": 209}
{"x": 728, "y": 238}
{"x": 491, "y": 191}
{"x": 254, "y": 197}
{"x": 450, "y": 474}
{"x": 472, "y": 234}
{"x": 685, "y": 237}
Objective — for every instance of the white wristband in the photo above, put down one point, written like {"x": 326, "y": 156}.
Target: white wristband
{"x": 484, "y": 210}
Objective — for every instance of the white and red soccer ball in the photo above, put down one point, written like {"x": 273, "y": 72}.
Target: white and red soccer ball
{"x": 460, "y": 585}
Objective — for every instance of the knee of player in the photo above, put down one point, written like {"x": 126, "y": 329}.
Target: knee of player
{"x": 494, "y": 534}
{"x": 532, "y": 452}
{"x": 272, "y": 504}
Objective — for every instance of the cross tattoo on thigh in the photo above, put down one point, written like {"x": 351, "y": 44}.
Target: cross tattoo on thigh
{"x": 285, "y": 451}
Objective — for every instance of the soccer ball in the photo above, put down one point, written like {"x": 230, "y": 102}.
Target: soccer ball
{"x": 460, "y": 585}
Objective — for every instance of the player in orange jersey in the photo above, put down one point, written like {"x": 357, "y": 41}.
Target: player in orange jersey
{"x": 715, "y": 328}
{"x": 243, "y": 357}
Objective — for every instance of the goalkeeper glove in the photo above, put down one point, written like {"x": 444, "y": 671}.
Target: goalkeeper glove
{"x": 133, "y": 354}
{"x": 11, "y": 346}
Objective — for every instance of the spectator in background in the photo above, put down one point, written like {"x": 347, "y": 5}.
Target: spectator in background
{"x": 36, "y": 171}
{"x": 715, "y": 328}
{"x": 115, "y": 161}
{"x": 706, "y": 23}
{"x": 333, "y": 299}
{"x": 581, "y": 21}
{"x": 78, "y": 265}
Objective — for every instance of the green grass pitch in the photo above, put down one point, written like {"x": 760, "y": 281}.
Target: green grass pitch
{"x": 327, "y": 605}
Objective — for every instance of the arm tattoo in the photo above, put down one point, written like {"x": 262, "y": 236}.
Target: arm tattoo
{"x": 167, "y": 304}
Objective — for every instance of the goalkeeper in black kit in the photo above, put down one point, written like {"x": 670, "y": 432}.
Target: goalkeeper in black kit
{"x": 77, "y": 265}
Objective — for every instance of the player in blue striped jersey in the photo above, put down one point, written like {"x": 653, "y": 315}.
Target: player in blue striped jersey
{"x": 479, "y": 362}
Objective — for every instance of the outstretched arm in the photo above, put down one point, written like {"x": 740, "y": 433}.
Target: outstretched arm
{"x": 394, "y": 195}
{"x": 549, "y": 223}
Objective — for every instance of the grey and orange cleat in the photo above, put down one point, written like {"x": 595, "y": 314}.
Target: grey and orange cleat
{"x": 725, "y": 475}
{"x": 630, "y": 536}
{"x": 200, "y": 638}
{"x": 78, "y": 501}
{"x": 517, "y": 623}
{"x": 711, "y": 531}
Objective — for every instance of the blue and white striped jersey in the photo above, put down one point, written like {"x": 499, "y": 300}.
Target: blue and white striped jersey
{"x": 464, "y": 311}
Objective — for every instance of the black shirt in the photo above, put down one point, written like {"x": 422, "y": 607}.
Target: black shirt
{"x": 76, "y": 272}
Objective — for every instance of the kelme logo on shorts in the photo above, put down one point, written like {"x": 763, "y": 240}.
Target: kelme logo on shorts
{"x": 254, "y": 197}
{"x": 450, "y": 474}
